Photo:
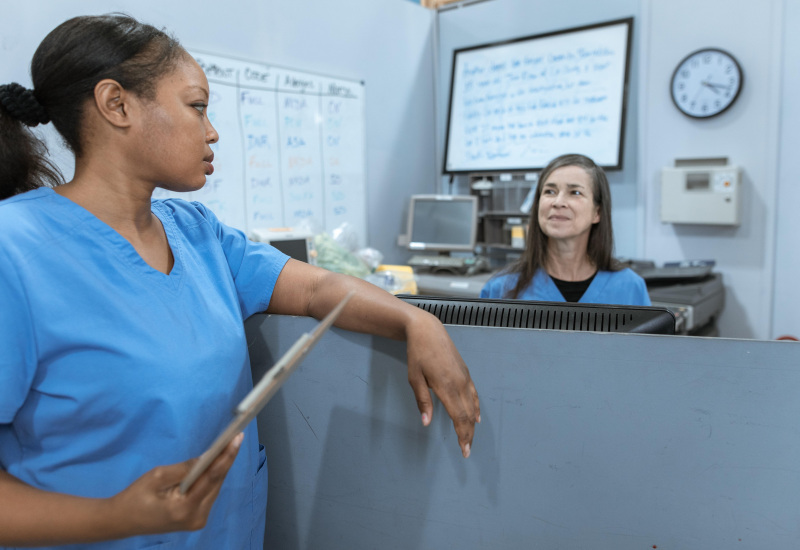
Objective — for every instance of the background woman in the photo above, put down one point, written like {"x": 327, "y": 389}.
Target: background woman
{"x": 568, "y": 251}
{"x": 121, "y": 326}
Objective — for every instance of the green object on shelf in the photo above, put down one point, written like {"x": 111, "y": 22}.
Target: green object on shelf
{"x": 333, "y": 257}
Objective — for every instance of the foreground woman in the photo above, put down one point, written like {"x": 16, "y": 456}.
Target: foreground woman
{"x": 122, "y": 319}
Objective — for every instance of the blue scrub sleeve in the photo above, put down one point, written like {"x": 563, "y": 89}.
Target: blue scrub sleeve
{"x": 498, "y": 286}
{"x": 642, "y": 297}
{"x": 255, "y": 266}
{"x": 17, "y": 341}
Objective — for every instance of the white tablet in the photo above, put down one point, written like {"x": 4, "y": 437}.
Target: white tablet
{"x": 260, "y": 395}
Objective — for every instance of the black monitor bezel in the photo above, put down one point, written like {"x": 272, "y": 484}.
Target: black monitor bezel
{"x": 625, "y": 95}
{"x": 442, "y": 247}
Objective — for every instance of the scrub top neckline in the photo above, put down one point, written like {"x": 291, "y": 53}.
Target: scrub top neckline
{"x": 595, "y": 287}
{"x": 125, "y": 250}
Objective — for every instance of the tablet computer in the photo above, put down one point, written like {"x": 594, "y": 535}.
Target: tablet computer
{"x": 260, "y": 395}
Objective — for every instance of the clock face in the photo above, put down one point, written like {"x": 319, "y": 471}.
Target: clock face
{"x": 706, "y": 83}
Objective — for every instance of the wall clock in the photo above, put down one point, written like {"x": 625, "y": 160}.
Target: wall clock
{"x": 706, "y": 83}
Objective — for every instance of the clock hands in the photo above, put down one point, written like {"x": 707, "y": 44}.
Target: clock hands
{"x": 711, "y": 86}
{"x": 714, "y": 87}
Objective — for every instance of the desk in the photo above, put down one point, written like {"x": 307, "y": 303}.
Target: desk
{"x": 699, "y": 303}
{"x": 446, "y": 284}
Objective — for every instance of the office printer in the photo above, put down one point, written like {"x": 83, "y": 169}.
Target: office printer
{"x": 693, "y": 291}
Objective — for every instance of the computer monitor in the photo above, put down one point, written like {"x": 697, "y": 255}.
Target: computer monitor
{"x": 295, "y": 244}
{"x": 546, "y": 315}
{"x": 443, "y": 223}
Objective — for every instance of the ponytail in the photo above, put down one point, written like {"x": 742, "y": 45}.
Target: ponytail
{"x": 23, "y": 156}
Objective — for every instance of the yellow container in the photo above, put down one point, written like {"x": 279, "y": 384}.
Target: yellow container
{"x": 397, "y": 279}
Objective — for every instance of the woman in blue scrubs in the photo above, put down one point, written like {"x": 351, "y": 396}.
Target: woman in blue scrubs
{"x": 568, "y": 250}
{"x": 121, "y": 326}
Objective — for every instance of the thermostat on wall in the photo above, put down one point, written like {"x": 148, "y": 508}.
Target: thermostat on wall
{"x": 701, "y": 191}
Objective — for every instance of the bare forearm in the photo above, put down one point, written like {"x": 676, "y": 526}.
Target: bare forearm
{"x": 372, "y": 309}
{"x": 304, "y": 290}
{"x": 32, "y": 517}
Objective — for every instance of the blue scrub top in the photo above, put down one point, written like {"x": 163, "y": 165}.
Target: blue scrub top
{"x": 110, "y": 367}
{"x": 622, "y": 287}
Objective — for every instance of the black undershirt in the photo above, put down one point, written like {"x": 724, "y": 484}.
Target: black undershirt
{"x": 572, "y": 290}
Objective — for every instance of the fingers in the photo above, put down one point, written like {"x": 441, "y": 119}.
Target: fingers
{"x": 476, "y": 403}
{"x": 423, "y": 395}
{"x": 166, "y": 477}
{"x": 458, "y": 395}
{"x": 460, "y": 398}
{"x": 205, "y": 490}
{"x": 210, "y": 482}
{"x": 463, "y": 421}
{"x": 154, "y": 504}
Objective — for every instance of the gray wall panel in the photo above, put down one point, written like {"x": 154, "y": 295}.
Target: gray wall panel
{"x": 604, "y": 441}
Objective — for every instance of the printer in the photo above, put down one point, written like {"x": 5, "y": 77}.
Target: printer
{"x": 693, "y": 291}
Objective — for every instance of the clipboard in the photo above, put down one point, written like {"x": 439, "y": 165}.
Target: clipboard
{"x": 260, "y": 395}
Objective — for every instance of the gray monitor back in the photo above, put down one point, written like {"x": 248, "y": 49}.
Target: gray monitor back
{"x": 602, "y": 441}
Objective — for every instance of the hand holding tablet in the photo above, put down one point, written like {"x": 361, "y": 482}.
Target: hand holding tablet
{"x": 260, "y": 395}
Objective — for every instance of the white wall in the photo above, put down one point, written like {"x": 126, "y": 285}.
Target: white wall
{"x": 386, "y": 43}
{"x": 786, "y": 292}
{"x": 747, "y": 134}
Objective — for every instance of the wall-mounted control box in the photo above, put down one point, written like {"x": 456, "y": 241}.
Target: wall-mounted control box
{"x": 701, "y": 191}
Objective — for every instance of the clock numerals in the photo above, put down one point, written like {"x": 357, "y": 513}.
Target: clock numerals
{"x": 706, "y": 83}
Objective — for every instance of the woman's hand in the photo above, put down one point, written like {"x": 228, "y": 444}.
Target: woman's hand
{"x": 151, "y": 504}
{"x": 154, "y": 501}
{"x": 434, "y": 362}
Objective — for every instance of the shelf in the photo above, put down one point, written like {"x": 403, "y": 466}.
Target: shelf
{"x": 501, "y": 246}
{"x": 503, "y": 215}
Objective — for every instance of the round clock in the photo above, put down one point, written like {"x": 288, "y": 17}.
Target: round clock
{"x": 706, "y": 83}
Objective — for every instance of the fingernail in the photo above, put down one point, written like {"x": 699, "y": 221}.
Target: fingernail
{"x": 466, "y": 450}
{"x": 237, "y": 441}
{"x": 424, "y": 419}
{"x": 479, "y": 419}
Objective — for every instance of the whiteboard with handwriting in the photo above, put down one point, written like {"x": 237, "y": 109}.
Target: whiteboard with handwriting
{"x": 516, "y": 105}
{"x": 291, "y": 150}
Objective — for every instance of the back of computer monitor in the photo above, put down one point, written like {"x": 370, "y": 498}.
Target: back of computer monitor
{"x": 546, "y": 315}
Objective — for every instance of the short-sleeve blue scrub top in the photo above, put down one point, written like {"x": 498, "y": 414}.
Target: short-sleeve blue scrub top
{"x": 622, "y": 287}
{"x": 110, "y": 367}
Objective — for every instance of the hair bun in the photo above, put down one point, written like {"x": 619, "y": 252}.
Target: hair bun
{"x": 21, "y": 104}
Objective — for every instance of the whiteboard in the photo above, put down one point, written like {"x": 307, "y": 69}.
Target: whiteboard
{"x": 291, "y": 151}
{"x": 518, "y": 104}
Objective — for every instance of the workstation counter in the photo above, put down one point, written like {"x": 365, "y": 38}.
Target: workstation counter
{"x": 448, "y": 284}
{"x": 603, "y": 441}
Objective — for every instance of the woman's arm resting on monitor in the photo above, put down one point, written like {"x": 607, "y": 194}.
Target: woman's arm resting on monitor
{"x": 433, "y": 360}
